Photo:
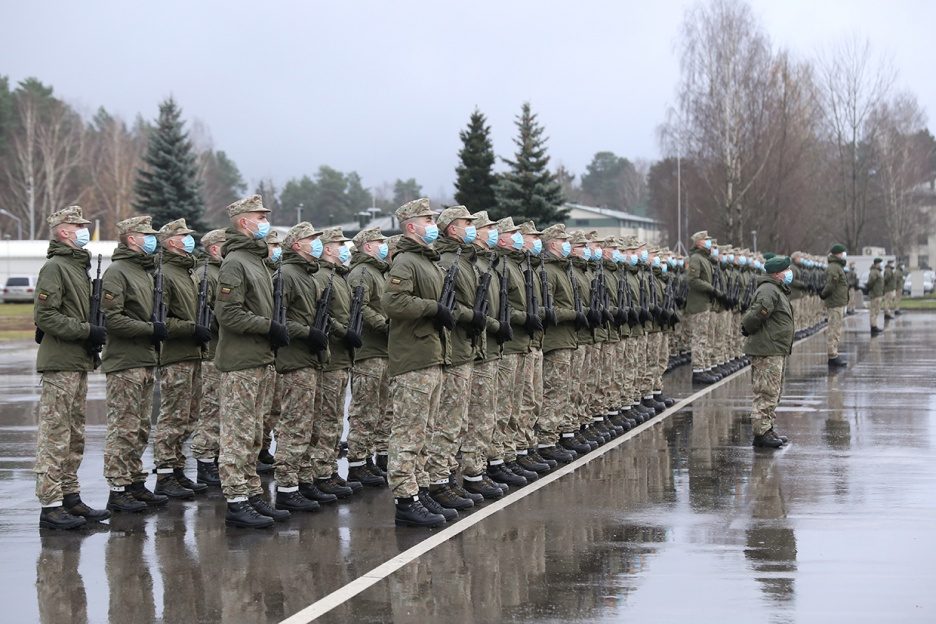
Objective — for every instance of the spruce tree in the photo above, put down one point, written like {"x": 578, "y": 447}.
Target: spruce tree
{"x": 528, "y": 190}
{"x": 167, "y": 185}
{"x": 475, "y": 180}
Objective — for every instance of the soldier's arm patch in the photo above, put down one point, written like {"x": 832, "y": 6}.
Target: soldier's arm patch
{"x": 225, "y": 293}
{"x": 399, "y": 284}
{"x": 42, "y": 297}
{"x": 764, "y": 312}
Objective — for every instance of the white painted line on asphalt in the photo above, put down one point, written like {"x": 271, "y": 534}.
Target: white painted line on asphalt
{"x": 341, "y": 595}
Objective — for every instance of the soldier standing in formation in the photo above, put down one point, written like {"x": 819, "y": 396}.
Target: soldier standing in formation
{"x": 835, "y": 296}
{"x": 875, "y": 289}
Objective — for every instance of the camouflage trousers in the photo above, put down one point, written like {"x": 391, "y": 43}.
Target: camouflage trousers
{"x": 482, "y": 418}
{"x": 294, "y": 429}
{"x": 889, "y": 298}
{"x": 662, "y": 360}
{"x": 129, "y": 397}
{"x": 898, "y": 297}
{"x": 272, "y": 417}
{"x": 592, "y": 371}
{"x": 767, "y": 384}
{"x": 415, "y": 397}
{"x": 854, "y": 299}
{"x": 834, "y": 333}
{"x": 557, "y": 386}
{"x": 327, "y": 424}
{"x": 531, "y": 406}
{"x": 509, "y": 396}
{"x": 699, "y": 327}
{"x": 649, "y": 369}
{"x": 643, "y": 379}
{"x": 625, "y": 374}
{"x": 720, "y": 339}
{"x": 737, "y": 338}
{"x": 179, "y": 389}
{"x": 61, "y": 439}
{"x": 245, "y": 398}
{"x": 572, "y": 420}
{"x": 368, "y": 408}
{"x": 875, "y": 310}
{"x": 449, "y": 424}
{"x": 205, "y": 444}
{"x": 610, "y": 375}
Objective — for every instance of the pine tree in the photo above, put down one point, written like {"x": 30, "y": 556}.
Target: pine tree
{"x": 475, "y": 180}
{"x": 167, "y": 186}
{"x": 528, "y": 190}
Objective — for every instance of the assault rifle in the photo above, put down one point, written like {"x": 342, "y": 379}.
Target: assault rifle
{"x": 279, "y": 304}
{"x": 482, "y": 300}
{"x": 632, "y": 317}
{"x": 597, "y": 299}
{"x": 205, "y": 313}
{"x": 322, "y": 319}
{"x": 447, "y": 299}
{"x": 532, "y": 305}
{"x": 644, "y": 314}
{"x": 748, "y": 295}
{"x": 159, "y": 307}
{"x": 503, "y": 312}
{"x": 356, "y": 315}
{"x": 96, "y": 315}
{"x": 576, "y": 298}
{"x": 549, "y": 311}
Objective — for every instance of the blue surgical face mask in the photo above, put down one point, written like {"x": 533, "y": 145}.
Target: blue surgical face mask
{"x": 344, "y": 254}
{"x": 617, "y": 256}
{"x": 788, "y": 277}
{"x": 724, "y": 259}
{"x": 566, "y": 249}
{"x": 430, "y": 233}
{"x": 644, "y": 254}
{"x": 671, "y": 262}
{"x": 742, "y": 260}
{"x": 656, "y": 262}
{"x": 82, "y": 237}
{"x": 664, "y": 269}
{"x": 276, "y": 254}
{"x": 383, "y": 251}
{"x": 316, "y": 248}
{"x": 188, "y": 243}
{"x": 149, "y": 243}
{"x": 517, "y": 239}
{"x": 263, "y": 228}
{"x": 586, "y": 253}
{"x": 471, "y": 232}
{"x": 730, "y": 257}
{"x": 597, "y": 253}
{"x": 708, "y": 243}
{"x": 844, "y": 255}
{"x": 633, "y": 259}
{"x": 715, "y": 252}
{"x": 492, "y": 237}
{"x": 846, "y": 269}
{"x": 537, "y": 247}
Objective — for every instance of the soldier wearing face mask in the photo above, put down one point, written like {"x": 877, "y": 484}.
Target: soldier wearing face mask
{"x": 835, "y": 297}
{"x": 265, "y": 459}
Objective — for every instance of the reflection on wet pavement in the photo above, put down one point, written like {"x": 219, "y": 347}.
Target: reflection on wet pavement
{"x": 683, "y": 523}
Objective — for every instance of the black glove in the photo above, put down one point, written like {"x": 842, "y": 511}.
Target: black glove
{"x": 594, "y": 317}
{"x": 744, "y": 331}
{"x": 160, "y": 332}
{"x": 317, "y": 340}
{"x": 504, "y": 333}
{"x": 97, "y": 335}
{"x": 39, "y": 335}
{"x": 632, "y": 317}
{"x": 478, "y": 322}
{"x": 354, "y": 340}
{"x": 550, "y": 314}
{"x": 607, "y": 317}
{"x": 533, "y": 324}
{"x": 278, "y": 335}
{"x": 581, "y": 321}
{"x": 643, "y": 316}
{"x": 202, "y": 334}
{"x": 443, "y": 317}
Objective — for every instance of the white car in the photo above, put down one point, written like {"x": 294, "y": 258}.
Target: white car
{"x": 928, "y": 278}
{"x": 19, "y": 289}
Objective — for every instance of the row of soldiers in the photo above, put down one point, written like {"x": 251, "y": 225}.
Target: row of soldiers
{"x": 885, "y": 291}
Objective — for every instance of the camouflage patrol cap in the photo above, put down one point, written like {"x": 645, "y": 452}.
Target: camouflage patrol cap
{"x": 392, "y": 242}
{"x": 254, "y": 203}
{"x": 699, "y": 236}
{"x": 528, "y": 227}
{"x": 72, "y": 214}
{"x": 506, "y": 225}
{"x": 367, "y": 235}
{"x": 174, "y": 228}
{"x": 555, "y": 231}
{"x": 612, "y": 241}
{"x": 577, "y": 237}
{"x": 298, "y": 232}
{"x": 137, "y": 225}
{"x": 482, "y": 219}
{"x": 213, "y": 238}
{"x": 416, "y": 208}
{"x": 272, "y": 238}
{"x": 333, "y": 235}
{"x": 450, "y": 214}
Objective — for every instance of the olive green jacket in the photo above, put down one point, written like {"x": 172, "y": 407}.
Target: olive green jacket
{"x": 633, "y": 285}
{"x": 584, "y": 336}
{"x": 340, "y": 353}
{"x": 798, "y": 288}
{"x": 611, "y": 332}
{"x": 414, "y": 285}
{"x": 875, "y": 283}
{"x": 835, "y": 292}
{"x": 562, "y": 335}
{"x": 127, "y": 301}
{"x": 899, "y": 279}
{"x": 515, "y": 264}
{"x": 699, "y": 298}
{"x": 62, "y": 306}
{"x": 769, "y": 321}
{"x": 491, "y": 350}
{"x": 370, "y": 274}
{"x": 244, "y": 305}
{"x": 889, "y": 280}
{"x": 180, "y": 296}
{"x": 301, "y": 293}
{"x": 464, "y": 348}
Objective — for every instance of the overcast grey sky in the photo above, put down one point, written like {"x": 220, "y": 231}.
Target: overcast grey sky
{"x": 384, "y": 87}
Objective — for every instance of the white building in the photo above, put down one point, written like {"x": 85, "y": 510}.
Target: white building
{"x": 26, "y": 257}
{"x": 614, "y": 223}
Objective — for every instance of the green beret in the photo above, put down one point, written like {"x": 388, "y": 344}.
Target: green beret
{"x": 878, "y": 260}
{"x": 768, "y": 255}
{"x": 776, "y": 264}
{"x": 837, "y": 248}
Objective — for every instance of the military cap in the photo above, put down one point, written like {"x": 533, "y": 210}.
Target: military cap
{"x": 174, "y": 228}
{"x": 72, "y": 214}
{"x": 272, "y": 238}
{"x": 878, "y": 260}
{"x": 298, "y": 232}
{"x": 631, "y": 242}
{"x": 890, "y": 262}
{"x": 333, "y": 235}
{"x": 699, "y": 236}
{"x": 577, "y": 237}
{"x": 528, "y": 227}
{"x": 213, "y": 237}
{"x": 450, "y": 214}
{"x": 506, "y": 225}
{"x": 254, "y": 203}
{"x": 777, "y": 264}
{"x": 768, "y": 255}
{"x": 139, "y": 225}
{"x": 416, "y": 208}
{"x": 612, "y": 241}
{"x": 483, "y": 220}
{"x": 367, "y": 235}
{"x": 555, "y": 231}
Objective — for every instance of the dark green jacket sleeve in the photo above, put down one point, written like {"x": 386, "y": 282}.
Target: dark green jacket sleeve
{"x": 48, "y": 314}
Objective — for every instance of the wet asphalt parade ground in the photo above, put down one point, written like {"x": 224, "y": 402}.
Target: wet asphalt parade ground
{"x": 679, "y": 521}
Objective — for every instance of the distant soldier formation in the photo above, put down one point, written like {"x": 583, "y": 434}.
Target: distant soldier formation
{"x": 481, "y": 354}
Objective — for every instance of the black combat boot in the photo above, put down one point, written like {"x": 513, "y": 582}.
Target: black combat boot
{"x": 599, "y": 426}
{"x": 500, "y": 474}
{"x": 472, "y": 496}
{"x": 528, "y": 463}
{"x": 356, "y": 486}
{"x": 515, "y": 467}
{"x": 362, "y": 475}
{"x": 207, "y": 473}
{"x": 589, "y": 437}
{"x": 556, "y": 454}
{"x": 331, "y": 486}
{"x": 837, "y": 362}
{"x": 140, "y": 492}
{"x": 482, "y": 486}
{"x": 665, "y": 400}
{"x": 702, "y": 378}
{"x": 59, "y": 518}
{"x": 449, "y": 498}
{"x": 266, "y": 457}
{"x": 768, "y": 440}
{"x": 375, "y": 469}
{"x": 383, "y": 462}
{"x": 626, "y": 415}
{"x": 168, "y": 485}
{"x": 568, "y": 442}
{"x": 640, "y": 413}
{"x": 294, "y": 501}
{"x": 410, "y": 512}
{"x": 123, "y": 500}
{"x": 433, "y": 506}
{"x": 188, "y": 483}
{"x": 243, "y": 514}
{"x": 76, "y": 507}
{"x": 311, "y": 491}
{"x": 616, "y": 428}
{"x": 535, "y": 455}
{"x": 264, "y": 508}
